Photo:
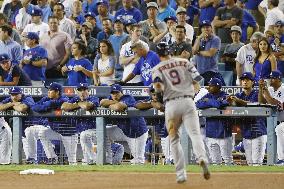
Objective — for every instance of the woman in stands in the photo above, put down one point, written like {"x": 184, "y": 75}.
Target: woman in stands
{"x": 104, "y": 62}
{"x": 79, "y": 68}
{"x": 265, "y": 61}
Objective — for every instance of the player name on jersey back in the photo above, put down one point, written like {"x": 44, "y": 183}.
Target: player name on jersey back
{"x": 172, "y": 65}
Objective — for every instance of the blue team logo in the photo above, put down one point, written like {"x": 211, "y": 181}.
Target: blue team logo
{"x": 146, "y": 71}
{"x": 249, "y": 59}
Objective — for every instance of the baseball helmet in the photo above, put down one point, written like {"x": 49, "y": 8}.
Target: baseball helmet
{"x": 163, "y": 49}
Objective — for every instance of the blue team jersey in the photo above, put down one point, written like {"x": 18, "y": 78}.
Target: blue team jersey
{"x": 34, "y": 54}
{"x": 215, "y": 127}
{"x": 132, "y": 127}
{"x": 252, "y": 127}
{"x": 248, "y": 20}
{"x": 252, "y": 4}
{"x": 191, "y": 11}
{"x": 46, "y": 104}
{"x": 90, "y": 7}
{"x": 27, "y": 100}
{"x": 74, "y": 78}
{"x": 132, "y": 13}
{"x": 144, "y": 67}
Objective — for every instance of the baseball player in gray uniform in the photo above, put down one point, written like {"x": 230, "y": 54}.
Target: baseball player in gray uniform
{"x": 174, "y": 79}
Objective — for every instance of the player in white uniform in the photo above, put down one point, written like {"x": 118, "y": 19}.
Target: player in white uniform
{"x": 5, "y": 142}
{"x": 275, "y": 95}
{"x": 175, "y": 77}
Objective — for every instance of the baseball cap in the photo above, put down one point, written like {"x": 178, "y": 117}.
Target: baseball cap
{"x": 103, "y": 2}
{"x": 130, "y": 22}
{"x": 170, "y": 18}
{"x": 236, "y": 28}
{"x": 82, "y": 86}
{"x": 205, "y": 23}
{"x": 93, "y": 15}
{"x": 275, "y": 75}
{"x": 88, "y": 24}
{"x": 32, "y": 35}
{"x": 15, "y": 90}
{"x": 180, "y": 10}
{"x": 215, "y": 82}
{"x": 4, "y": 57}
{"x": 36, "y": 12}
{"x": 247, "y": 75}
{"x": 279, "y": 23}
{"x": 115, "y": 88}
{"x": 55, "y": 86}
{"x": 163, "y": 49}
{"x": 152, "y": 4}
{"x": 119, "y": 19}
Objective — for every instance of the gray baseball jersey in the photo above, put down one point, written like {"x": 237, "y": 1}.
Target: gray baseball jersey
{"x": 177, "y": 75}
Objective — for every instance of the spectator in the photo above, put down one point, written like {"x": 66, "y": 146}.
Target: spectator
{"x": 15, "y": 34}
{"x": 90, "y": 42}
{"x": 206, "y": 49}
{"x": 128, "y": 24}
{"x": 278, "y": 45}
{"x": 148, "y": 60}
{"x": 65, "y": 24}
{"x": 251, "y": 6}
{"x": 78, "y": 69}
{"x": 11, "y": 10}
{"x": 152, "y": 28}
{"x": 169, "y": 35}
{"x": 104, "y": 64}
{"x": 253, "y": 129}
{"x": 231, "y": 50}
{"x": 35, "y": 60}
{"x": 208, "y": 9}
{"x": 273, "y": 15}
{"x": 181, "y": 48}
{"x": 225, "y": 18}
{"x": 89, "y": 6}
{"x": 37, "y": 25}
{"x": 218, "y": 131}
{"x": 57, "y": 44}
{"x": 128, "y": 58}
{"x": 192, "y": 12}
{"x": 77, "y": 15}
{"x": 103, "y": 11}
{"x": 246, "y": 54}
{"x": 132, "y": 130}
{"x": 181, "y": 19}
{"x": 11, "y": 74}
{"x": 265, "y": 61}
{"x": 7, "y": 45}
{"x": 247, "y": 21}
{"x": 107, "y": 30}
{"x": 128, "y": 11}
{"x": 273, "y": 95}
{"x": 164, "y": 10}
{"x": 91, "y": 17}
{"x": 116, "y": 40}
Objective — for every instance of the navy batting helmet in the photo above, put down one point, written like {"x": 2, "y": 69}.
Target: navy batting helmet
{"x": 163, "y": 49}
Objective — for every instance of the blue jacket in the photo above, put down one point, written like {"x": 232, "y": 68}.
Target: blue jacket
{"x": 215, "y": 127}
{"x": 46, "y": 104}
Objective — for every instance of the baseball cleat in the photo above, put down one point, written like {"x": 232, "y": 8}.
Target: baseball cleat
{"x": 181, "y": 178}
{"x": 31, "y": 161}
{"x": 206, "y": 173}
{"x": 52, "y": 161}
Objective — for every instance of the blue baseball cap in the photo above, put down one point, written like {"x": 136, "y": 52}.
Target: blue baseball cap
{"x": 36, "y": 12}
{"x": 32, "y": 35}
{"x": 215, "y": 82}
{"x": 115, "y": 88}
{"x": 119, "y": 19}
{"x": 55, "y": 86}
{"x": 91, "y": 14}
{"x": 275, "y": 75}
{"x": 103, "y": 2}
{"x": 247, "y": 75}
{"x": 130, "y": 22}
{"x": 170, "y": 18}
{"x": 205, "y": 23}
{"x": 4, "y": 57}
{"x": 15, "y": 90}
{"x": 82, "y": 86}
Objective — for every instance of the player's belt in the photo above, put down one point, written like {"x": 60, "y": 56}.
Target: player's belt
{"x": 175, "y": 98}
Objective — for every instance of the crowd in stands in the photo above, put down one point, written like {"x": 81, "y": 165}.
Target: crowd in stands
{"x": 105, "y": 42}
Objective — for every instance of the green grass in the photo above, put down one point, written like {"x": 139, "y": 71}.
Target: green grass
{"x": 145, "y": 168}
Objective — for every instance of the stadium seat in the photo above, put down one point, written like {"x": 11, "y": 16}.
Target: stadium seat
{"x": 228, "y": 77}
{"x": 221, "y": 66}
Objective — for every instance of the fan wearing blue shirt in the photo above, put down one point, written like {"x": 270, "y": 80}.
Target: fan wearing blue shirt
{"x": 253, "y": 129}
{"x": 128, "y": 11}
{"x": 35, "y": 59}
{"x": 103, "y": 12}
{"x": 89, "y": 6}
{"x": 148, "y": 60}
{"x": 78, "y": 69}
{"x": 165, "y": 10}
{"x": 132, "y": 130}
